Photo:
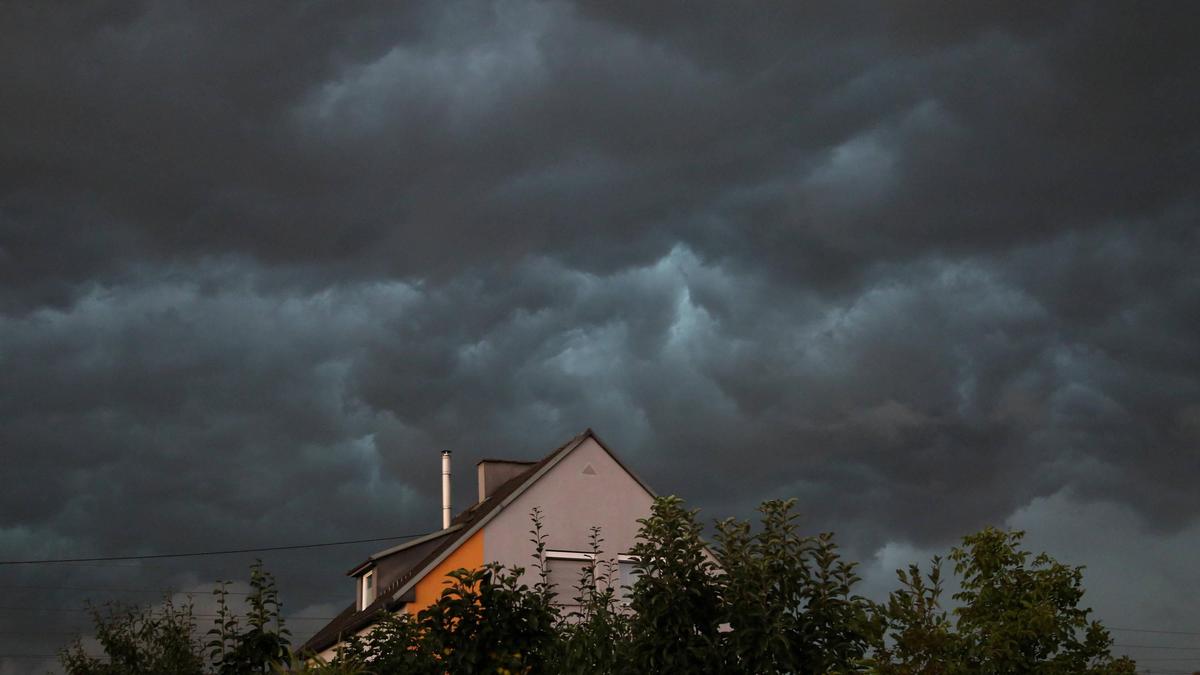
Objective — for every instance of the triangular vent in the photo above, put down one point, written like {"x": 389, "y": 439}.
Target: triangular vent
{"x": 589, "y": 471}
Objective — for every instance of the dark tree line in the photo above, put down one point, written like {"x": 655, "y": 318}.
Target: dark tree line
{"x": 763, "y": 599}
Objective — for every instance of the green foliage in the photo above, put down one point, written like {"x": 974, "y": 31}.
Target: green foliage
{"x": 920, "y": 637}
{"x": 263, "y": 643}
{"x": 486, "y": 621}
{"x": 770, "y": 601}
{"x": 394, "y": 647}
{"x": 299, "y": 663}
{"x": 676, "y": 601}
{"x": 1020, "y": 613}
{"x": 787, "y": 598}
{"x": 537, "y": 537}
{"x": 164, "y": 639}
{"x": 592, "y": 638}
{"x": 140, "y": 640}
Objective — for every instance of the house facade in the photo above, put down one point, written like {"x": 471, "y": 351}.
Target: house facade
{"x": 579, "y": 485}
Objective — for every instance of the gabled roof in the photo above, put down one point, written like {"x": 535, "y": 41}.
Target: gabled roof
{"x": 411, "y": 543}
{"x": 463, "y": 526}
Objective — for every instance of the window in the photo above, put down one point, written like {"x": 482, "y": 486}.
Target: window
{"x": 368, "y": 589}
{"x": 627, "y": 576}
{"x": 564, "y": 569}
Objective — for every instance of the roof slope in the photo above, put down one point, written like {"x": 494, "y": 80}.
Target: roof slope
{"x": 465, "y": 524}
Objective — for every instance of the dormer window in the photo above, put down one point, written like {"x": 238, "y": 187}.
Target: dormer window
{"x": 368, "y": 590}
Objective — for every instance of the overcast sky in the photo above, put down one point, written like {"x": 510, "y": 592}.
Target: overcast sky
{"x": 924, "y": 268}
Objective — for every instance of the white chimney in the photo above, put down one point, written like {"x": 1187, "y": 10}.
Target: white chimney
{"x": 445, "y": 489}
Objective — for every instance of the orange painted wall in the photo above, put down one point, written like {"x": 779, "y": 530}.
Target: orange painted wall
{"x": 469, "y": 555}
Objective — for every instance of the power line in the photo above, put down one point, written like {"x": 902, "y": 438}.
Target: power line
{"x": 1148, "y": 630}
{"x": 195, "y": 554}
{"x": 159, "y": 591}
{"x": 68, "y": 610}
{"x": 1187, "y": 649}
{"x": 110, "y": 590}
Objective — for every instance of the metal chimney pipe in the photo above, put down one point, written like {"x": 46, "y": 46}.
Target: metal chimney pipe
{"x": 445, "y": 489}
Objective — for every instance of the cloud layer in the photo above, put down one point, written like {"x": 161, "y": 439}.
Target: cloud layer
{"x": 923, "y": 268}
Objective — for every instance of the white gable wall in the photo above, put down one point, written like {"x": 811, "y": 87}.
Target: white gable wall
{"x": 571, "y": 503}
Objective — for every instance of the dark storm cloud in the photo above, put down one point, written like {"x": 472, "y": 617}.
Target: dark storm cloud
{"x": 832, "y": 139}
{"x": 925, "y": 267}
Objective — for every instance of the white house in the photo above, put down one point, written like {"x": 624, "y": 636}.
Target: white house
{"x": 577, "y": 486}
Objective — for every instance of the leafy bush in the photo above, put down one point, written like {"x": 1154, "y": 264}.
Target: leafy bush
{"x": 164, "y": 639}
{"x": 1020, "y": 613}
{"x": 140, "y": 640}
{"x": 488, "y": 622}
{"x": 263, "y": 643}
{"x": 676, "y": 601}
{"x": 787, "y": 598}
{"x": 920, "y": 637}
{"x": 765, "y": 599}
{"x": 592, "y": 639}
{"x": 394, "y": 646}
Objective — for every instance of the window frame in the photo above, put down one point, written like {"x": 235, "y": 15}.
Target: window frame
{"x": 570, "y": 555}
{"x": 367, "y": 585}
{"x": 548, "y": 556}
{"x": 623, "y": 595}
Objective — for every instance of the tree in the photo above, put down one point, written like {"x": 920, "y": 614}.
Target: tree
{"x": 140, "y": 640}
{"x": 916, "y": 637}
{"x": 486, "y": 621}
{"x": 676, "y": 600}
{"x": 1020, "y": 613}
{"x": 770, "y": 601}
{"x": 394, "y": 646}
{"x": 263, "y": 644}
{"x": 787, "y": 598}
{"x": 164, "y": 639}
